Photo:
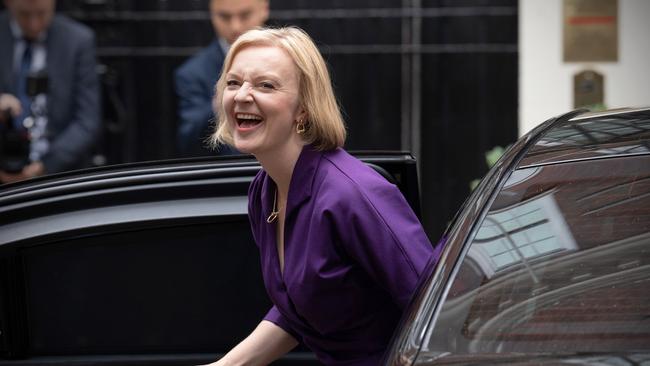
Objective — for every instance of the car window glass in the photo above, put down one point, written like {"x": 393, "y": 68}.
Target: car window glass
{"x": 614, "y": 135}
{"x": 169, "y": 288}
{"x": 561, "y": 263}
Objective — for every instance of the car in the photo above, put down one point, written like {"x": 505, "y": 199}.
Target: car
{"x": 548, "y": 261}
{"x": 148, "y": 263}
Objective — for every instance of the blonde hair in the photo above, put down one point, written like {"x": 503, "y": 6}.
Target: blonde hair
{"x": 324, "y": 127}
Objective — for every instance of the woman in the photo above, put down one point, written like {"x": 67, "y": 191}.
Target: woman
{"x": 341, "y": 250}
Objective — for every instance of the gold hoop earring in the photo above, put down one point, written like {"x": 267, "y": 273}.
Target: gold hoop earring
{"x": 300, "y": 127}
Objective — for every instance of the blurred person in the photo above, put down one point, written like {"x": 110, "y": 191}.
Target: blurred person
{"x": 195, "y": 79}
{"x": 63, "y": 120}
{"x": 340, "y": 248}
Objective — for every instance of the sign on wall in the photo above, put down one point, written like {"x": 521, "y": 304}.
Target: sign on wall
{"x": 589, "y": 90}
{"x": 590, "y": 30}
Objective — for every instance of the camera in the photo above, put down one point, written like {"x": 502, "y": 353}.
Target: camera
{"x": 37, "y": 83}
{"x": 15, "y": 142}
{"x": 14, "y": 145}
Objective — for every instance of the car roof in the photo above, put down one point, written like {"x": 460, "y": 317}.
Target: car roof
{"x": 592, "y": 135}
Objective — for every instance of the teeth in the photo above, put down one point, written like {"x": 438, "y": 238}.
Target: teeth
{"x": 248, "y": 116}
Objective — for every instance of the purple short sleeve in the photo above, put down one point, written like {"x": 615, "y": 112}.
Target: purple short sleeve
{"x": 274, "y": 316}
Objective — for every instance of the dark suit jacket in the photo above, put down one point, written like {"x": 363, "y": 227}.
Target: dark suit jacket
{"x": 195, "y": 80}
{"x": 73, "y": 91}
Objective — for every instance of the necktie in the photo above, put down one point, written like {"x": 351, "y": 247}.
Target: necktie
{"x": 21, "y": 87}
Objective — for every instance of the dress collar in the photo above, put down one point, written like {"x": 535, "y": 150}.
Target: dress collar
{"x": 301, "y": 183}
{"x": 303, "y": 175}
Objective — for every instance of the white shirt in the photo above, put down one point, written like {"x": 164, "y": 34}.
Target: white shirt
{"x": 37, "y": 126}
{"x": 39, "y": 52}
{"x": 225, "y": 46}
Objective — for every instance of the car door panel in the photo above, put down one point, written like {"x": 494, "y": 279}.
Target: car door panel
{"x": 151, "y": 264}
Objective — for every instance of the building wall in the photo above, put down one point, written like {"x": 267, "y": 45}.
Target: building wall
{"x": 546, "y": 81}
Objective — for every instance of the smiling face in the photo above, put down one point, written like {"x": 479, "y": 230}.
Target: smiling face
{"x": 261, "y": 100}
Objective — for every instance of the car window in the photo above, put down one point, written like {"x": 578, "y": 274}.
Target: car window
{"x": 561, "y": 263}
{"x": 173, "y": 286}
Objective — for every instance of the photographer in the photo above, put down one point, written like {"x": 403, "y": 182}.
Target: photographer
{"x": 48, "y": 89}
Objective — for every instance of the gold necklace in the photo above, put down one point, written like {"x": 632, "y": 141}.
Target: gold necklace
{"x": 275, "y": 212}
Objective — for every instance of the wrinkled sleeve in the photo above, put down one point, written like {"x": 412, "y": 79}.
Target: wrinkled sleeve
{"x": 275, "y": 317}
{"x": 378, "y": 229}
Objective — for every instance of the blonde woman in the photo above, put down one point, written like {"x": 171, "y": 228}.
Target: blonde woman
{"x": 341, "y": 251}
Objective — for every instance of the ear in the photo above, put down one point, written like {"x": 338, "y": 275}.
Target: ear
{"x": 302, "y": 115}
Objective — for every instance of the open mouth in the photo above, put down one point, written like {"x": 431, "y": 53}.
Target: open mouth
{"x": 247, "y": 120}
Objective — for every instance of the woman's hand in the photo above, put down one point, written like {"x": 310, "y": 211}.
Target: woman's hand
{"x": 220, "y": 362}
{"x": 264, "y": 345}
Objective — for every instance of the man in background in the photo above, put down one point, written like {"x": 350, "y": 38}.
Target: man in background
{"x": 195, "y": 79}
{"x": 61, "y": 117}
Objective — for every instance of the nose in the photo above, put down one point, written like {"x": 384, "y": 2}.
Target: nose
{"x": 244, "y": 94}
{"x": 32, "y": 27}
{"x": 237, "y": 26}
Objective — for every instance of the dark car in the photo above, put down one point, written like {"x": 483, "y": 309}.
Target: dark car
{"x": 548, "y": 262}
{"x": 141, "y": 264}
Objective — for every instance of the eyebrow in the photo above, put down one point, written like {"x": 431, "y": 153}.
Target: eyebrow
{"x": 230, "y": 14}
{"x": 271, "y": 76}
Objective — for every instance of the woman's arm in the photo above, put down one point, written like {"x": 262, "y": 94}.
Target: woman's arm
{"x": 264, "y": 345}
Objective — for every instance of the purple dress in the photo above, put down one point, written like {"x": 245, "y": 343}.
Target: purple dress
{"x": 354, "y": 251}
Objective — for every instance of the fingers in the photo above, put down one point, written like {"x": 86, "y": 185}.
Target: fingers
{"x": 10, "y": 103}
{"x": 32, "y": 170}
{"x": 10, "y": 177}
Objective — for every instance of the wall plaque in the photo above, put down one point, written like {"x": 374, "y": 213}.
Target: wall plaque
{"x": 589, "y": 90}
{"x": 590, "y": 30}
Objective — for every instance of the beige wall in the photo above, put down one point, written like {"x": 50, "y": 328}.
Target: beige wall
{"x": 546, "y": 82}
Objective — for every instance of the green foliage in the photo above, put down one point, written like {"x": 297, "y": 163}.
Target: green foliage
{"x": 491, "y": 158}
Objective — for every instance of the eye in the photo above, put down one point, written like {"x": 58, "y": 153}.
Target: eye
{"x": 224, "y": 17}
{"x": 267, "y": 85}
{"x": 245, "y": 16}
{"x": 232, "y": 82}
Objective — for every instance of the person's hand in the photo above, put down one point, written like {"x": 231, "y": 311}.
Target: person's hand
{"x": 9, "y": 103}
{"x": 29, "y": 171}
{"x": 221, "y": 362}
